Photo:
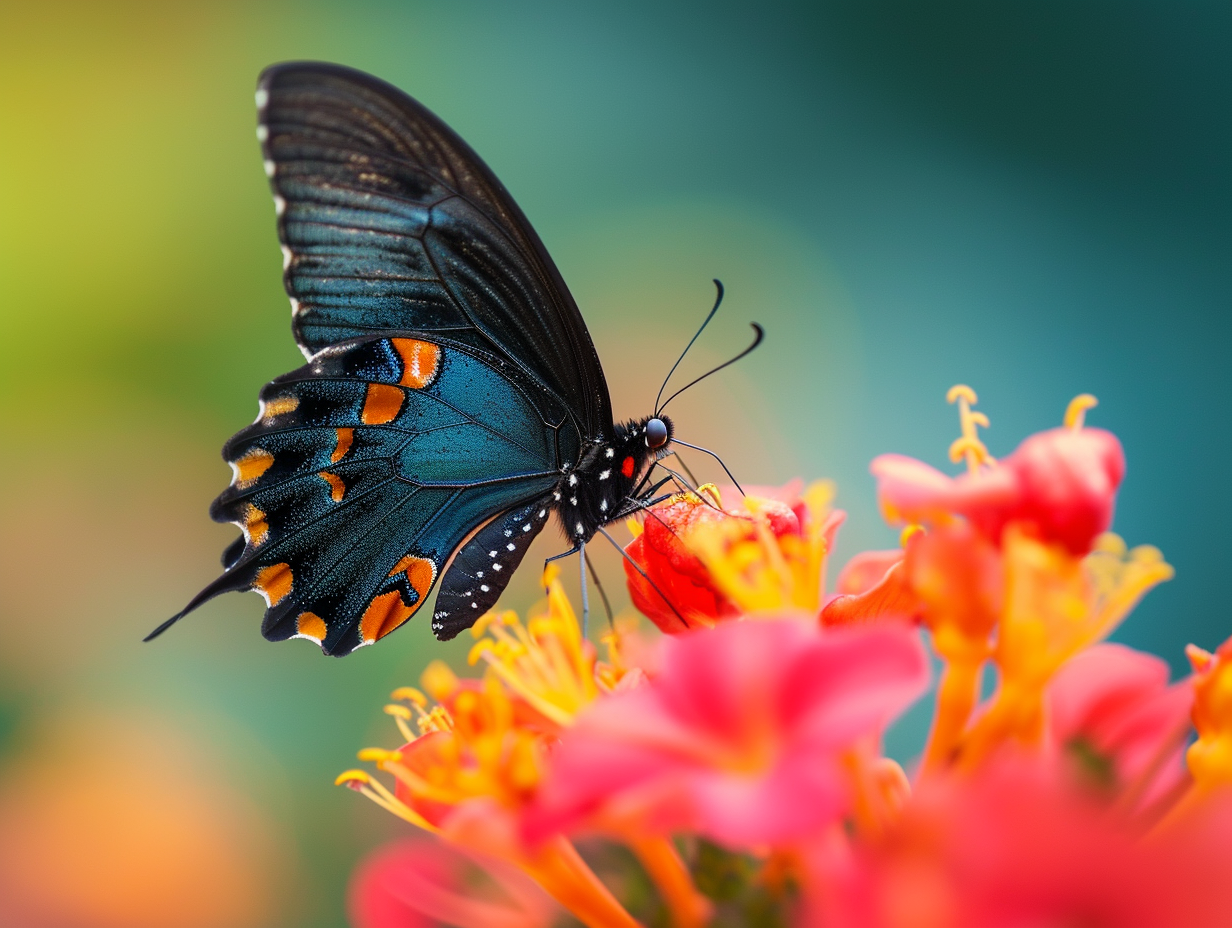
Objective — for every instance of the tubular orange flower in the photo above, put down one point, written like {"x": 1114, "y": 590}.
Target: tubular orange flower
{"x": 1055, "y": 606}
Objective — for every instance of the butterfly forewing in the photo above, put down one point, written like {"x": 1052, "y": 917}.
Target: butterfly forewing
{"x": 390, "y": 222}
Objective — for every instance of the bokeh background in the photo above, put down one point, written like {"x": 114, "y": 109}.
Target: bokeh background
{"x": 1030, "y": 196}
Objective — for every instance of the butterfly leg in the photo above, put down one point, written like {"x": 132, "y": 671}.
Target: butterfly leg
{"x": 585, "y": 594}
{"x": 607, "y": 606}
{"x": 638, "y": 568}
{"x": 557, "y": 557}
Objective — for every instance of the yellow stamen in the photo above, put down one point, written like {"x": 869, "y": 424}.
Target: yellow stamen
{"x": 969, "y": 446}
{"x": 411, "y": 695}
{"x": 909, "y": 532}
{"x": 1076, "y": 411}
{"x": 348, "y": 777}
{"x": 379, "y": 756}
{"x": 439, "y": 681}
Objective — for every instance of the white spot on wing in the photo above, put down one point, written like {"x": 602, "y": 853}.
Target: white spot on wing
{"x": 280, "y": 205}
{"x": 262, "y": 97}
{"x": 286, "y": 257}
{"x": 269, "y": 168}
{"x": 484, "y": 587}
{"x": 511, "y": 546}
{"x": 262, "y": 133}
{"x": 573, "y": 480}
{"x": 603, "y": 475}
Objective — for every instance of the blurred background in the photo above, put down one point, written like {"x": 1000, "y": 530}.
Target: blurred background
{"x": 1029, "y": 196}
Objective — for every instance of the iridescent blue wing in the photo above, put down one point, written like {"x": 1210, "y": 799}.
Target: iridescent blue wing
{"x": 389, "y": 222}
{"x": 364, "y": 472}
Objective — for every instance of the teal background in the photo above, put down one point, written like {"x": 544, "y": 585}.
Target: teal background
{"x": 1029, "y": 197}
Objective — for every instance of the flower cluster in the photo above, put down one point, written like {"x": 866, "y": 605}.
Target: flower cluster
{"x": 732, "y": 773}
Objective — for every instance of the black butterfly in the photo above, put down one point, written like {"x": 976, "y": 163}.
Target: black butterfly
{"x": 452, "y": 398}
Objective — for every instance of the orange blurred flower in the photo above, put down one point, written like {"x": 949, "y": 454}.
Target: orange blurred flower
{"x": 424, "y": 882}
{"x": 1012, "y": 849}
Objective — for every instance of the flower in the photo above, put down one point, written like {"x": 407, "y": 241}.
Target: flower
{"x": 1210, "y": 757}
{"x": 478, "y": 757}
{"x": 423, "y": 882}
{"x": 739, "y": 736}
{"x": 673, "y": 588}
{"x": 713, "y": 564}
{"x": 1059, "y": 486}
{"x": 1011, "y": 848}
{"x": 1112, "y": 714}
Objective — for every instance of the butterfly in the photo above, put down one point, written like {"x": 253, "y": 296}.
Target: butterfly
{"x": 452, "y": 399}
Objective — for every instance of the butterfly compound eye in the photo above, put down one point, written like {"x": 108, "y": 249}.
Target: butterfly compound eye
{"x": 656, "y": 433}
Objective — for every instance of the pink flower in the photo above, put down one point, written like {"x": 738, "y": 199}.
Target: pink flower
{"x": 1111, "y": 709}
{"x": 1016, "y": 851}
{"x": 739, "y": 735}
{"x": 1060, "y": 485}
{"x": 423, "y": 882}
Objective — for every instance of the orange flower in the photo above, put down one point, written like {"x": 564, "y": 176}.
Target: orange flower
{"x": 479, "y": 754}
{"x": 424, "y": 882}
{"x": 1011, "y": 849}
{"x": 1059, "y": 486}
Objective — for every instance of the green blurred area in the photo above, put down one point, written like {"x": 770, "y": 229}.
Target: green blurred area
{"x": 1032, "y": 198}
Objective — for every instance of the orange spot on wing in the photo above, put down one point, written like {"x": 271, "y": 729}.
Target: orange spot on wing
{"x": 626, "y": 467}
{"x": 311, "y": 626}
{"x": 279, "y": 405}
{"x": 419, "y": 361}
{"x": 336, "y": 486}
{"x": 255, "y": 524}
{"x": 345, "y": 437}
{"x": 382, "y": 404}
{"x": 250, "y": 466}
{"x": 387, "y": 611}
{"x": 274, "y": 582}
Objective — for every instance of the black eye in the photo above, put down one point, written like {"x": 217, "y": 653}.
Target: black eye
{"x": 656, "y": 433}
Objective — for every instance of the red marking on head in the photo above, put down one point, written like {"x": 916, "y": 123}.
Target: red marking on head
{"x": 626, "y": 467}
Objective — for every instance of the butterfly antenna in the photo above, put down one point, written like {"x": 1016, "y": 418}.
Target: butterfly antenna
{"x": 716, "y": 457}
{"x": 717, "y": 300}
{"x": 761, "y": 333}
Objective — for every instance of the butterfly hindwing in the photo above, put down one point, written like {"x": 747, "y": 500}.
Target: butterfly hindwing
{"x": 389, "y": 222}
{"x": 364, "y": 471}
{"x": 482, "y": 567}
